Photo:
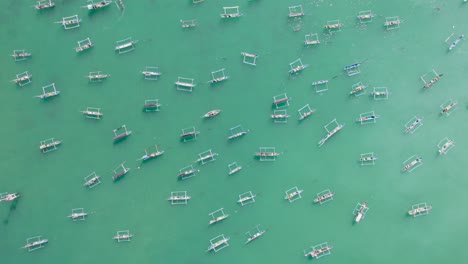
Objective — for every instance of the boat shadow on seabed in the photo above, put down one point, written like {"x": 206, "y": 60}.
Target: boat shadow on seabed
{"x": 13, "y": 205}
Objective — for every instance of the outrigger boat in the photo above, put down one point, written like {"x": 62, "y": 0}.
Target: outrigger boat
{"x": 393, "y": 22}
{"x": 367, "y": 118}
{"x": 370, "y": 158}
{"x": 431, "y": 82}
{"x": 9, "y": 197}
{"x": 77, "y": 215}
{"x": 98, "y": 76}
{"x": 306, "y": 114}
{"x": 374, "y": 93}
{"x": 357, "y": 89}
{"x": 220, "y": 79}
{"x": 209, "y": 156}
{"x": 151, "y": 73}
{"x": 120, "y": 174}
{"x": 36, "y": 243}
{"x": 246, "y": 198}
{"x": 298, "y": 68}
{"x": 316, "y": 252}
{"x": 189, "y": 134}
{"x": 292, "y": 195}
{"x": 186, "y": 173}
{"x": 50, "y": 145}
{"x": 219, "y": 218}
{"x": 281, "y": 100}
{"x": 333, "y": 26}
{"x": 217, "y": 244}
{"x": 121, "y": 135}
{"x": 151, "y": 105}
{"x": 279, "y": 116}
{"x": 99, "y": 5}
{"x": 360, "y": 212}
{"x": 151, "y": 155}
{"x": 266, "y": 154}
{"x": 96, "y": 114}
{"x": 21, "y": 55}
{"x": 44, "y": 5}
{"x": 365, "y": 16}
{"x": 212, "y": 113}
{"x": 415, "y": 123}
{"x": 123, "y": 236}
{"x": 330, "y": 134}
{"x": 419, "y": 210}
{"x": 448, "y": 107}
{"x": 324, "y": 197}
{"x": 84, "y": 47}
{"x": 239, "y": 134}
{"x": 319, "y": 82}
{"x": 236, "y": 169}
{"x": 22, "y": 78}
{"x": 91, "y": 181}
{"x": 47, "y": 95}
{"x": 69, "y": 22}
{"x": 254, "y": 236}
{"x": 351, "y": 66}
{"x": 411, "y": 164}
{"x": 446, "y": 146}
{"x": 456, "y": 42}
{"x": 179, "y": 198}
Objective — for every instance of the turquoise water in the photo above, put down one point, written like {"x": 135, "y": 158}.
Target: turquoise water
{"x": 51, "y": 184}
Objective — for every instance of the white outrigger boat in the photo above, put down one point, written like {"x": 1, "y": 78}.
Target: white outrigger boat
{"x": 357, "y": 89}
{"x": 333, "y": 26}
{"x": 419, "y": 210}
{"x": 298, "y": 68}
{"x": 456, "y": 42}
{"x": 78, "y": 215}
{"x": 151, "y": 155}
{"x": 23, "y": 78}
{"x": 367, "y": 118}
{"x": 306, "y": 114}
{"x": 97, "y": 76}
{"x": 208, "y": 156}
{"x": 330, "y": 134}
{"x": 179, "y": 198}
{"x": 266, "y": 154}
{"x": 236, "y": 169}
{"x": 53, "y": 144}
{"x": 393, "y": 22}
{"x": 43, "y": 4}
{"x": 292, "y": 194}
{"x": 186, "y": 173}
{"x": 212, "y": 113}
{"x": 123, "y": 236}
{"x": 279, "y": 116}
{"x": 48, "y": 95}
{"x": 217, "y": 244}
{"x": 448, "y": 107}
{"x": 413, "y": 125}
{"x": 379, "y": 93}
{"x": 98, "y": 5}
{"x": 368, "y": 158}
{"x": 95, "y": 114}
{"x": 219, "y": 219}
{"x": 324, "y": 197}
{"x": 360, "y": 212}
{"x": 246, "y": 198}
{"x": 21, "y": 55}
{"x": 316, "y": 252}
{"x": 365, "y": 16}
{"x": 151, "y": 73}
{"x": 91, "y": 181}
{"x": 432, "y": 81}
{"x": 255, "y": 236}
{"x": 217, "y": 80}
{"x": 238, "y": 134}
{"x": 36, "y": 243}
{"x": 9, "y": 197}
{"x": 411, "y": 164}
{"x": 446, "y": 146}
